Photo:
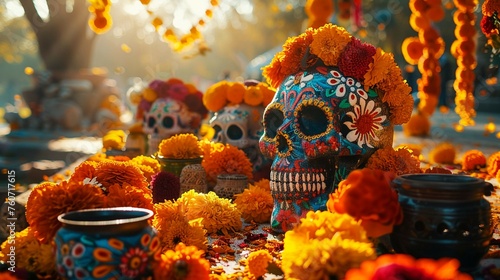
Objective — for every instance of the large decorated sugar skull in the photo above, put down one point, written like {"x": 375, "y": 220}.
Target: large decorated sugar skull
{"x": 237, "y": 118}
{"x": 169, "y": 108}
{"x": 328, "y": 116}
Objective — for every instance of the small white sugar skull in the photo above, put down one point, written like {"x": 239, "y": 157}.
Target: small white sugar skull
{"x": 240, "y": 125}
{"x": 167, "y": 117}
{"x": 319, "y": 126}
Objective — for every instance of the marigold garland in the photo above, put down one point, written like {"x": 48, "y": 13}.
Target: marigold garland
{"x": 224, "y": 93}
{"x": 391, "y": 266}
{"x": 366, "y": 194}
{"x": 183, "y": 262}
{"x": 330, "y": 44}
{"x": 324, "y": 245}
{"x": 463, "y": 49}
{"x": 490, "y": 25}
{"x": 180, "y": 146}
{"x": 425, "y": 51}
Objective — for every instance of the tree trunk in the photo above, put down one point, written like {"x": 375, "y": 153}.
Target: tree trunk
{"x": 65, "y": 42}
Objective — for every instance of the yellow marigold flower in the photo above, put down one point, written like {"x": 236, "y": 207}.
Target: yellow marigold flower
{"x": 379, "y": 68}
{"x": 184, "y": 262}
{"x": 253, "y": 96}
{"x": 235, "y": 93}
{"x": 443, "y": 153}
{"x": 174, "y": 227}
{"x": 400, "y": 161}
{"x": 148, "y": 165}
{"x": 219, "y": 214}
{"x": 149, "y": 94}
{"x": 31, "y": 255}
{"x": 418, "y": 125}
{"x": 390, "y": 266}
{"x": 215, "y": 96}
{"x": 180, "y": 146}
{"x": 329, "y": 42}
{"x": 258, "y": 261}
{"x": 325, "y": 245}
{"x": 473, "y": 159}
{"x": 112, "y": 142}
{"x": 256, "y": 204}
{"x": 229, "y": 160}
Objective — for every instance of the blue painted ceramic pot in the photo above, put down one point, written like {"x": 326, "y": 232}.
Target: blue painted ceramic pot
{"x": 106, "y": 243}
{"x": 445, "y": 215}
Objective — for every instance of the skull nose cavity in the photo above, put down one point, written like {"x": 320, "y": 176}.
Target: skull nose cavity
{"x": 282, "y": 143}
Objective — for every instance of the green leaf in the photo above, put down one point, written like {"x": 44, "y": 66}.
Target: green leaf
{"x": 344, "y": 104}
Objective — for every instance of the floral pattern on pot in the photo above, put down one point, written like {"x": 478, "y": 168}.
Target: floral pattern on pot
{"x": 320, "y": 125}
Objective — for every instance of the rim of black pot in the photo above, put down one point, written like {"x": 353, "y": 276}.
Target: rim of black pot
{"x": 105, "y": 216}
{"x": 442, "y": 180}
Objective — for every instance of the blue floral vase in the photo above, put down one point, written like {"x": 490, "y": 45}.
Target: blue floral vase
{"x": 106, "y": 243}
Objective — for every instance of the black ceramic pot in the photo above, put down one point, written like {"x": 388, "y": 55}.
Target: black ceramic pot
{"x": 444, "y": 215}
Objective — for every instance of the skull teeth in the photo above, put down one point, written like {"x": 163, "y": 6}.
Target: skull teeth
{"x": 291, "y": 182}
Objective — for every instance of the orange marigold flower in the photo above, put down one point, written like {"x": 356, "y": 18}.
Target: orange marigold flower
{"x": 184, "y": 262}
{"x": 264, "y": 184}
{"x": 418, "y": 125}
{"x": 493, "y": 163}
{"x": 329, "y": 42}
{"x": 274, "y": 72}
{"x": 489, "y": 7}
{"x": 86, "y": 169}
{"x": 258, "y": 261}
{"x": 389, "y": 266}
{"x": 366, "y": 195}
{"x": 256, "y": 204}
{"x": 379, "y": 68}
{"x": 235, "y": 92}
{"x": 215, "y": 96}
{"x": 267, "y": 93}
{"x": 128, "y": 195}
{"x": 443, "y": 153}
{"x": 111, "y": 172}
{"x": 253, "y": 96}
{"x": 7, "y": 275}
{"x": 294, "y": 50}
{"x": 473, "y": 159}
{"x": 399, "y": 161}
{"x": 229, "y": 160}
{"x": 49, "y": 200}
{"x": 180, "y": 146}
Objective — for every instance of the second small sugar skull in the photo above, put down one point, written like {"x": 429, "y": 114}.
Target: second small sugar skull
{"x": 237, "y": 118}
{"x": 169, "y": 108}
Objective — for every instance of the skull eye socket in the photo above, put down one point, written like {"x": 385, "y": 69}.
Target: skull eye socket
{"x": 217, "y": 130}
{"x": 151, "y": 122}
{"x": 167, "y": 122}
{"x": 312, "y": 120}
{"x": 272, "y": 121}
{"x": 234, "y": 132}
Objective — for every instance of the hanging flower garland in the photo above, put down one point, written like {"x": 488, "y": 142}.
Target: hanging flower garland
{"x": 318, "y": 12}
{"x": 490, "y": 23}
{"x": 425, "y": 51}
{"x": 463, "y": 49}
{"x": 180, "y": 42}
{"x": 100, "y": 21}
